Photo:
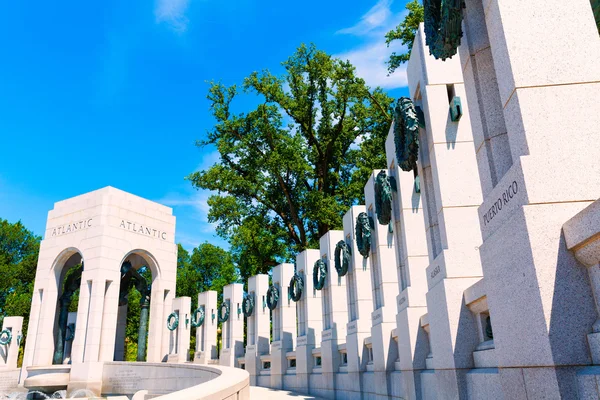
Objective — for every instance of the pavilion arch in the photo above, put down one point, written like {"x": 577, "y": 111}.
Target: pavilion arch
{"x": 66, "y": 259}
{"x": 138, "y": 259}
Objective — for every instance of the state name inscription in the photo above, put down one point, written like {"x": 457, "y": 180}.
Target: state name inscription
{"x": 506, "y": 197}
{"x": 144, "y": 230}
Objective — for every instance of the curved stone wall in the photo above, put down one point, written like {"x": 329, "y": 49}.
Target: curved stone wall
{"x": 175, "y": 381}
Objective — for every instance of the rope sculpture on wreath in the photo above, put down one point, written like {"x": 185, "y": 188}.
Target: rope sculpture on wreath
{"x": 223, "y": 317}
{"x": 383, "y": 198}
{"x": 443, "y": 30}
{"x": 272, "y": 297}
{"x": 70, "y": 332}
{"x": 343, "y": 250}
{"x": 296, "y": 287}
{"x": 364, "y": 225}
{"x": 248, "y": 305}
{"x": 319, "y": 274}
{"x": 198, "y": 317}
{"x": 5, "y": 337}
{"x": 172, "y": 321}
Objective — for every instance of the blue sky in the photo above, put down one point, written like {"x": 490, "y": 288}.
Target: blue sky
{"x": 113, "y": 92}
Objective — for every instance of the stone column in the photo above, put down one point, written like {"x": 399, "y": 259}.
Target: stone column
{"x": 110, "y": 319}
{"x": 9, "y": 353}
{"x": 335, "y": 314}
{"x": 540, "y": 67}
{"x": 412, "y": 260}
{"x": 582, "y": 237}
{"x": 310, "y": 319}
{"x": 86, "y": 372}
{"x": 258, "y": 330}
{"x": 34, "y": 320}
{"x": 359, "y": 292}
{"x": 206, "y": 334}
{"x": 179, "y": 338}
{"x": 232, "y": 329}
{"x": 384, "y": 288}
{"x": 451, "y": 197}
{"x": 284, "y": 325}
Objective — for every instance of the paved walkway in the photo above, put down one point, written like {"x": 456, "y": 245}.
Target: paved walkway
{"x": 260, "y": 393}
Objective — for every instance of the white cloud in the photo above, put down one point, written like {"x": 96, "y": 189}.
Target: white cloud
{"x": 377, "y": 16}
{"x": 172, "y": 12}
{"x": 369, "y": 61}
{"x": 370, "y": 56}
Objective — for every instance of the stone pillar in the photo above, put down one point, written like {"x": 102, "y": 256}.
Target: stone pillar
{"x": 450, "y": 198}
{"x": 110, "y": 319}
{"x": 179, "y": 338}
{"x": 384, "y": 288}
{"x": 9, "y": 353}
{"x": 284, "y": 325}
{"x": 539, "y": 67}
{"x": 412, "y": 260}
{"x": 310, "y": 319}
{"x": 359, "y": 292}
{"x": 258, "y": 329}
{"x": 206, "y": 334}
{"x": 582, "y": 237}
{"x": 87, "y": 370}
{"x": 232, "y": 329}
{"x": 335, "y": 314}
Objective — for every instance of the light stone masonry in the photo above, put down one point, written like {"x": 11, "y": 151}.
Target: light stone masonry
{"x": 284, "y": 325}
{"x": 384, "y": 272}
{"x": 412, "y": 260}
{"x": 179, "y": 340}
{"x": 450, "y": 200}
{"x": 100, "y": 229}
{"x": 335, "y": 315}
{"x": 359, "y": 291}
{"x": 310, "y": 320}
{"x": 534, "y": 285}
{"x": 232, "y": 334}
{"x": 258, "y": 330}
{"x": 206, "y": 334}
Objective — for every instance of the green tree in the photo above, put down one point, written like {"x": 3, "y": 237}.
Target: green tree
{"x": 19, "y": 249}
{"x": 405, "y": 32}
{"x": 290, "y": 167}
{"x": 209, "y": 267}
{"x": 134, "y": 309}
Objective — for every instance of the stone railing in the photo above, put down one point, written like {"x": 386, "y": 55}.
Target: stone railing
{"x": 176, "y": 381}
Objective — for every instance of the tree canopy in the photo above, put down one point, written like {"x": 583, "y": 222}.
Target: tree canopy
{"x": 19, "y": 249}
{"x": 405, "y": 32}
{"x": 209, "y": 267}
{"x": 291, "y": 166}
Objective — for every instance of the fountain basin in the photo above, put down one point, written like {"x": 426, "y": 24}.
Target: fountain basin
{"x": 50, "y": 378}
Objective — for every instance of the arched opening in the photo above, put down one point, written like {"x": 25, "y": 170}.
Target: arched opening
{"x": 138, "y": 272}
{"x": 68, "y": 270}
